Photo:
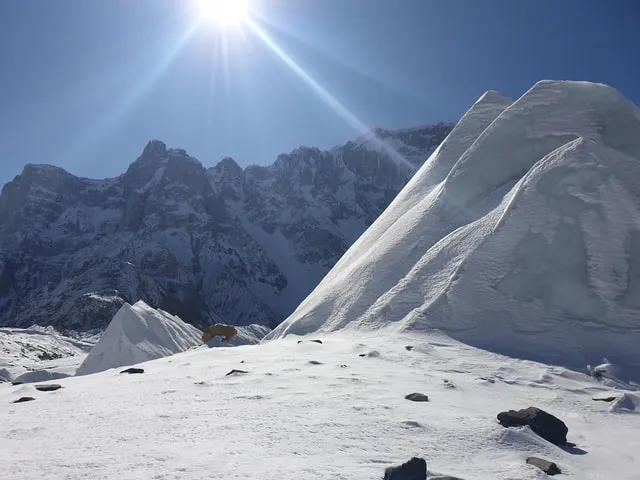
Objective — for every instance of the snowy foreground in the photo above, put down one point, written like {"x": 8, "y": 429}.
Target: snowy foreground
{"x": 290, "y": 417}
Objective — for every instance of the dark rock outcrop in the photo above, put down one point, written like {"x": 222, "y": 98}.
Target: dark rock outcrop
{"x": 417, "y": 397}
{"x": 52, "y": 387}
{"x": 414, "y": 469}
{"x": 24, "y": 399}
{"x": 546, "y": 466}
{"x": 542, "y": 423}
{"x": 133, "y": 370}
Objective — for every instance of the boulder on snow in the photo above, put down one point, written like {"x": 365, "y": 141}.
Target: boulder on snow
{"x": 138, "y": 334}
{"x": 245, "y": 335}
{"x": 133, "y": 370}
{"x": 414, "y": 469}
{"x": 50, "y": 387}
{"x": 542, "y": 423}
{"x": 546, "y": 466}
{"x": 417, "y": 397}
{"x": 605, "y": 398}
{"x": 312, "y": 341}
{"x": 24, "y": 399}
{"x": 219, "y": 330}
{"x": 236, "y": 372}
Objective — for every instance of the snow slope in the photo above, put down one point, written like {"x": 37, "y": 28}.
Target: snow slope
{"x": 137, "y": 334}
{"x": 520, "y": 235}
{"x": 341, "y": 417}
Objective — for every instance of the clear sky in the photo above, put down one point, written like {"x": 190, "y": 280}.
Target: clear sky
{"x": 85, "y": 84}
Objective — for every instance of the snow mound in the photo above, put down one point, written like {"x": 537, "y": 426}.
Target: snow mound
{"x": 5, "y": 375}
{"x": 519, "y": 235}
{"x": 137, "y": 334}
{"x": 247, "y": 335}
{"x": 627, "y": 402}
{"x": 39, "y": 376}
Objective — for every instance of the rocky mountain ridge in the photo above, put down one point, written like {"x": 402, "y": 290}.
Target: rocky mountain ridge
{"x": 241, "y": 246}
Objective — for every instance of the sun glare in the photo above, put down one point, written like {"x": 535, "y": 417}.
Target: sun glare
{"x": 224, "y": 13}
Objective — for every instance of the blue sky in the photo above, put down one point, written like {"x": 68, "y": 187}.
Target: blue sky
{"x": 85, "y": 84}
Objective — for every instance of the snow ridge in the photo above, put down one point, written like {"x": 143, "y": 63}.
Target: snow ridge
{"x": 136, "y": 334}
{"x": 526, "y": 246}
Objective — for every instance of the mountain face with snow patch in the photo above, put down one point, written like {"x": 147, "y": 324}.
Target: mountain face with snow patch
{"x": 224, "y": 244}
{"x": 520, "y": 235}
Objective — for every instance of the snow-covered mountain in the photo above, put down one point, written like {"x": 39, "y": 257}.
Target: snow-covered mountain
{"x": 240, "y": 246}
{"x": 520, "y": 235}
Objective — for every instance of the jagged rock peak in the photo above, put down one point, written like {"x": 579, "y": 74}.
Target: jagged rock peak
{"x": 229, "y": 165}
{"x": 155, "y": 149}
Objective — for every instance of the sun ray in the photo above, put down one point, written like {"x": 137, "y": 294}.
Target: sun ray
{"x": 330, "y": 100}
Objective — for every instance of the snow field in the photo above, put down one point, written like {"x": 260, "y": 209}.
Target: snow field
{"x": 287, "y": 418}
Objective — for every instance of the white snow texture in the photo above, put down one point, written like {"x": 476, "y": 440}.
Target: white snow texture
{"x": 138, "y": 334}
{"x": 520, "y": 235}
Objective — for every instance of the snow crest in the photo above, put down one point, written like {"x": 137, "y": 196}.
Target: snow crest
{"x": 138, "y": 334}
{"x": 520, "y": 235}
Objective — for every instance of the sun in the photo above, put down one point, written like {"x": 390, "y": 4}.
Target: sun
{"x": 224, "y": 13}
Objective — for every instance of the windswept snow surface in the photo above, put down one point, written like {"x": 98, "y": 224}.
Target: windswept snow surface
{"x": 341, "y": 417}
{"x": 520, "y": 235}
{"x": 137, "y": 334}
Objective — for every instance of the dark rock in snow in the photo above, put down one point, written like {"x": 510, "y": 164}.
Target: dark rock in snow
{"x": 417, "y": 397}
{"x": 235, "y": 372}
{"x": 133, "y": 370}
{"x": 546, "y": 466}
{"x": 414, "y": 469}
{"x": 314, "y": 362}
{"x": 51, "y": 387}
{"x": 24, "y": 399}
{"x": 362, "y": 355}
{"x": 542, "y": 423}
{"x": 409, "y": 347}
{"x": 605, "y": 399}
